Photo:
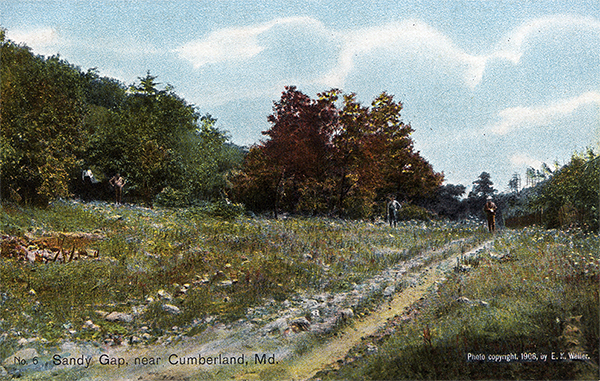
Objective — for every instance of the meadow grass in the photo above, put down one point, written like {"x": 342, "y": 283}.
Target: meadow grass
{"x": 226, "y": 265}
{"x": 541, "y": 290}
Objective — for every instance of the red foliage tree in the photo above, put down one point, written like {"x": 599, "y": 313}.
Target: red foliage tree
{"x": 323, "y": 159}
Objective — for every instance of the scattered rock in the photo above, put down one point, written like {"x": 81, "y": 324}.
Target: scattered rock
{"x": 462, "y": 268}
{"x": 389, "y": 291}
{"x": 22, "y": 342}
{"x": 345, "y": 314}
{"x": 139, "y": 310}
{"x": 218, "y": 276}
{"x": 164, "y": 295}
{"x": 88, "y": 324}
{"x": 300, "y": 324}
{"x": 499, "y": 256}
{"x": 371, "y": 348}
{"x": 310, "y": 304}
{"x": 119, "y": 316}
{"x": 204, "y": 279}
{"x": 169, "y": 308}
{"x": 279, "y": 325}
{"x": 101, "y": 313}
{"x": 469, "y": 302}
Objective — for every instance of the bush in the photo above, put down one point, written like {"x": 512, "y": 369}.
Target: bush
{"x": 226, "y": 209}
{"x": 173, "y": 198}
{"x": 414, "y": 212}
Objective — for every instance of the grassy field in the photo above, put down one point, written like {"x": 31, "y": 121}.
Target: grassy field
{"x": 534, "y": 294}
{"x": 528, "y": 309}
{"x": 64, "y": 266}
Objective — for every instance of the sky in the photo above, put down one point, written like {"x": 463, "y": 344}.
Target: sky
{"x": 494, "y": 86}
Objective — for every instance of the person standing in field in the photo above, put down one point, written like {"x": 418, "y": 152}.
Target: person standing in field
{"x": 118, "y": 183}
{"x": 392, "y": 209}
{"x": 490, "y": 210}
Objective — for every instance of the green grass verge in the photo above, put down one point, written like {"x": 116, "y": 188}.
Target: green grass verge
{"x": 541, "y": 290}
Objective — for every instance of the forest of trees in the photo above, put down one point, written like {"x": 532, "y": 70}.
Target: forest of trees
{"x": 324, "y": 156}
{"x": 58, "y": 120}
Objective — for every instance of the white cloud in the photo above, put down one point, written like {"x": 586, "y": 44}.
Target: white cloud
{"x": 512, "y": 46}
{"x": 234, "y": 44}
{"x": 48, "y": 41}
{"x": 522, "y": 159}
{"x": 413, "y": 37}
{"x": 515, "y": 118}
{"x": 42, "y": 40}
{"x": 407, "y": 38}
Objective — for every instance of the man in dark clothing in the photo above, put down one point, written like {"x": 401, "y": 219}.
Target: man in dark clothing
{"x": 393, "y": 208}
{"x": 490, "y": 210}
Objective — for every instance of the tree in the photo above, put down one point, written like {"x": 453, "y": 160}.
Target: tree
{"x": 209, "y": 161}
{"x": 321, "y": 158}
{"x": 298, "y": 151}
{"x": 482, "y": 189}
{"x": 446, "y": 201}
{"x": 514, "y": 183}
{"x": 57, "y": 120}
{"x": 144, "y": 138}
{"x": 42, "y": 115}
{"x": 571, "y": 196}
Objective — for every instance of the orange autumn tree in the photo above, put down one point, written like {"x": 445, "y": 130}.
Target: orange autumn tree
{"x": 331, "y": 155}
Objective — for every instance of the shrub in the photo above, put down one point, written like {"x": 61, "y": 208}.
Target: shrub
{"x": 414, "y": 212}
{"x": 173, "y": 198}
{"x": 225, "y": 209}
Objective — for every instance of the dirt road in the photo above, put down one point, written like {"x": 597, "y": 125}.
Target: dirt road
{"x": 308, "y": 364}
{"x": 281, "y": 346}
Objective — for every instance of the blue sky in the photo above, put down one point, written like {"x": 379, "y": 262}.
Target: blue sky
{"x": 493, "y": 86}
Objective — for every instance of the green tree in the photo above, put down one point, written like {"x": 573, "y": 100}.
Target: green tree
{"x": 482, "y": 189}
{"x": 209, "y": 161}
{"x": 42, "y": 115}
{"x": 514, "y": 183}
{"x": 571, "y": 196}
{"x": 142, "y": 137}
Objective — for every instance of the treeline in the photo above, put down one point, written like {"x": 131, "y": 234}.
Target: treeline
{"x": 568, "y": 196}
{"x": 58, "y": 120}
{"x": 324, "y": 156}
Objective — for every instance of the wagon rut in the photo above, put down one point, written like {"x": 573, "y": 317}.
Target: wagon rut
{"x": 298, "y": 354}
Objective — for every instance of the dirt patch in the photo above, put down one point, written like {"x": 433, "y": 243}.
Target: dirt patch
{"x": 50, "y": 246}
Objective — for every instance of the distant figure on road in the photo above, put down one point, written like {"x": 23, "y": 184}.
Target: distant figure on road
{"x": 118, "y": 182}
{"x": 392, "y": 209}
{"x": 490, "y": 210}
